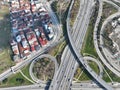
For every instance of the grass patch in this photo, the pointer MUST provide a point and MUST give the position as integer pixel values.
(5, 60)
(94, 66)
(111, 74)
(61, 8)
(85, 76)
(5, 32)
(57, 49)
(5, 27)
(17, 79)
(25, 71)
(74, 12)
(108, 10)
(88, 46)
(3, 11)
(116, 3)
(54, 6)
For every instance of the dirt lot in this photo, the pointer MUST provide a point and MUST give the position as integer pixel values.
(44, 69)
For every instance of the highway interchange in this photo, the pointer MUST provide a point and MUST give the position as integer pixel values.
(71, 56)
(69, 64)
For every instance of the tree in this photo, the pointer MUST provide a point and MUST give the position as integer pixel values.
(20, 80)
(5, 80)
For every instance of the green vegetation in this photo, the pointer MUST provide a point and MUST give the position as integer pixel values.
(106, 78)
(64, 27)
(108, 43)
(60, 51)
(25, 71)
(5, 60)
(44, 69)
(59, 8)
(116, 3)
(57, 51)
(5, 28)
(112, 75)
(54, 6)
(3, 12)
(82, 75)
(74, 12)
(88, 46)
(108, 29)
(89, 49)
(108, 10)
(94, 66)
(55, 9)
(17, 79)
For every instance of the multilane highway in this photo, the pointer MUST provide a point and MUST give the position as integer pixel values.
(69, 64)
(75, 86)
(78, 35)
(80, 58)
